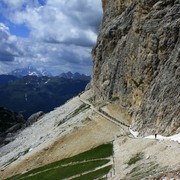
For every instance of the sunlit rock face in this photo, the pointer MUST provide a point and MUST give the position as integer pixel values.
(137, 59)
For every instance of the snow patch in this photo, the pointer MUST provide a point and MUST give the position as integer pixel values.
(134, 133)
(175, 137)
(47, 81)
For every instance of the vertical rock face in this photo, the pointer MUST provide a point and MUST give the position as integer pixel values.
(104, 5)
(137, 58)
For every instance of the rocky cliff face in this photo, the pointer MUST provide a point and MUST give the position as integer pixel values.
(137, 60)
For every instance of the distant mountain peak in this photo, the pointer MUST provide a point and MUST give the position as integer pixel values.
(29, 71)
(76, 75)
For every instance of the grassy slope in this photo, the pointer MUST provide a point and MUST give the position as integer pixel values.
(87, 161)
(95, 174)
(68, 171)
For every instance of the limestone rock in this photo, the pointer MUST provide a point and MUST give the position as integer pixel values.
(34, 117)
(137, 58)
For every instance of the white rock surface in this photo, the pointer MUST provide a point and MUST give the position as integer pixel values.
(175, 137)
(42, 132)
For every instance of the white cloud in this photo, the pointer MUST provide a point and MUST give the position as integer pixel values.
(8, 48)
(4, 29)
(62, 21)
(20, 4)
(14, 4)
(55, 57)
(62, 33)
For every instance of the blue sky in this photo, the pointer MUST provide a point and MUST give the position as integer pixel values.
(56, 35)
(19, 30)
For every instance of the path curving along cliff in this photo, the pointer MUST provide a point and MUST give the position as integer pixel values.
(137, 60)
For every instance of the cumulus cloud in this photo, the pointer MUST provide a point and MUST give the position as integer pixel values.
(19, 4)
(8, 48)
(62, 33)
(65, 21)
(59, 57)
(14, 4)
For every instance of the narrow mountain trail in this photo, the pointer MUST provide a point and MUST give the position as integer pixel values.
(126, 127)
(122, 125)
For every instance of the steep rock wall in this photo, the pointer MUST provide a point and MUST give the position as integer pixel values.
(137, 59)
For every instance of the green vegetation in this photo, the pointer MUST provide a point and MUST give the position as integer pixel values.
(95, 174)
(76, 165)
(81, 108)
(67, 171)
(135, 159)
(103, 151)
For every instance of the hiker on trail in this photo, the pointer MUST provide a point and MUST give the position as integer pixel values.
(155, 136)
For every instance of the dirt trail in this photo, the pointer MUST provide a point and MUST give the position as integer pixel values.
(106, 116)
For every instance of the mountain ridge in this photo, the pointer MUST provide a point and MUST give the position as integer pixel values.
(76, 75)
(32, 71)
(29, 71)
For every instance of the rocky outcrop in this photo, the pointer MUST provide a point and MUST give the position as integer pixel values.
(34, 117)
(137, 59)
(9, 119)
(10, 124)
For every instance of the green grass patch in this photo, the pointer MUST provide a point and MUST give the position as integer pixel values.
(80, 109)
(60, 172)
(95, 174)
(135, 159)
(100, 152)
(14, 177)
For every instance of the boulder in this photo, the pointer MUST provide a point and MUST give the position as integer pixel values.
(34, 117)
